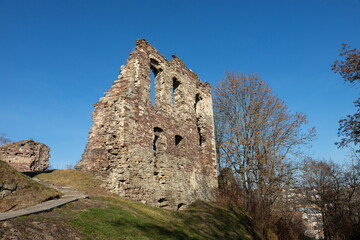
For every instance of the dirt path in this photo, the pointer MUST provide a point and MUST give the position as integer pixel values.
(69, 195)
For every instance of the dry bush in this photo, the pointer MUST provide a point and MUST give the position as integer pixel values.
(4, 140)
(271, 223)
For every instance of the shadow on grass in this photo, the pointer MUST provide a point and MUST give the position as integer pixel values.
(153, 231)
(201, 221)
(214, 222)
(34, 174)
(114, 222)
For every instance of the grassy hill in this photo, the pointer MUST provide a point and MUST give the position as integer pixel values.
(28, 192)
(105, 216)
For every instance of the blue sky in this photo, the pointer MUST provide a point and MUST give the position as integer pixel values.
(57, 58)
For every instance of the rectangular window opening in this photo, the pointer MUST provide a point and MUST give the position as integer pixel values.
(175, 90)
(153, 74)
(157, 133)
(197, 100)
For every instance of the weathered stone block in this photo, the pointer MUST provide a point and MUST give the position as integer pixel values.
(26, 155)
(159, 150)
(9, 186)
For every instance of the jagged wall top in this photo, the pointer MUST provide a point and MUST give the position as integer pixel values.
(160, 152)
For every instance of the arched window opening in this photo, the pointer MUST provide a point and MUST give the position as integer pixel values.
(197, 100)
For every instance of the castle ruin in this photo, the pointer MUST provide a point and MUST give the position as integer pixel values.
(26, 155)
(158, 150)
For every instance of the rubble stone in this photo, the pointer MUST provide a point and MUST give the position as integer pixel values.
(5, 193)
(26, 155)
(10, 186)
(158, 151)
(7, 188)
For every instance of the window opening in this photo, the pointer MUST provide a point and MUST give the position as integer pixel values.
(154, 143)
(175, 89)
(153, 74)
(154, 62)
(157, 132)
(197, 99)
(178, 139)
(162, 200)
(180, 205)
(199, 119)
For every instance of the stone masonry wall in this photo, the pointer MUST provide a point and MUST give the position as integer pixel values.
(160, 153)
(26, 155)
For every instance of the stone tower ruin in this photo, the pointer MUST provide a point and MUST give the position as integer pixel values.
(160, 151)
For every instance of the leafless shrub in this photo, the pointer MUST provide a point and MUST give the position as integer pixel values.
(4, 140)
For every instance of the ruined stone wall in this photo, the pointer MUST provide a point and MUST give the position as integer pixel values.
(161, 153)
(26, 155)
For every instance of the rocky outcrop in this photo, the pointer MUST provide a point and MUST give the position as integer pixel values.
(26, 155)
(155, 149)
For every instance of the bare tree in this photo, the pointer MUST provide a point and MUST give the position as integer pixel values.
(255, 133)
(335, 191)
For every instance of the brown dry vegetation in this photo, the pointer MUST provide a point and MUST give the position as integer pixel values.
(29, 194)
(79, 180)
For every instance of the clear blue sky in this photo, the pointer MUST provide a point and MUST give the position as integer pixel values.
(57, 58)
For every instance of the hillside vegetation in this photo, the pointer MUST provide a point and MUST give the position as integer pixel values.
(105, 216)
(28, 191)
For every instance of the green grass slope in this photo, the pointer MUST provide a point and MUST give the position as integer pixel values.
(30, 192)
(105, 216)
(124, 219)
